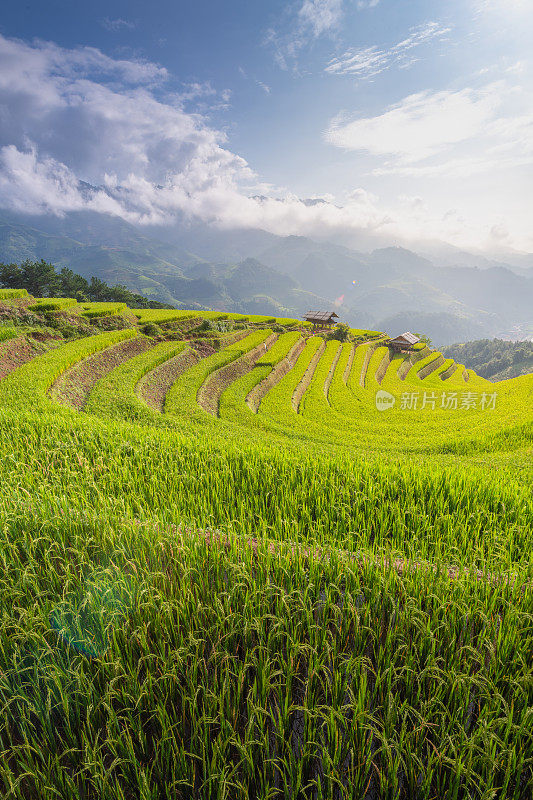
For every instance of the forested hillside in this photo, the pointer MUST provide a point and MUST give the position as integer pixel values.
(253, 272)
(40, 279)
(494, 359)
(226, 537)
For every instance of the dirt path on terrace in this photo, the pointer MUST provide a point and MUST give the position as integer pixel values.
(307, 378)
(431, 367)
(349, 363)
(73, 387)
(383, 367)
(448, 372)
(329, 378)
(153, 388)
(366, 361)
(16, 352)
(209, 394)
(253, 399)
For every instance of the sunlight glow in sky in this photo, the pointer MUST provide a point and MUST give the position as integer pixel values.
(412, 121)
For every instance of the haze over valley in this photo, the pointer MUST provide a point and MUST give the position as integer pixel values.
(364, 155)
(266, 400)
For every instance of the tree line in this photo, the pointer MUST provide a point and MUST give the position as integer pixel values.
(492, 357)
(41, 279)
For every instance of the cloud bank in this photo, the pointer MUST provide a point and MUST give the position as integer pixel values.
(82, 131)
(451, 133)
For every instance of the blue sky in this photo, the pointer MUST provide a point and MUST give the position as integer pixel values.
(412, 120)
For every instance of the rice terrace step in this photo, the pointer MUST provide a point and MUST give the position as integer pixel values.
(266, 400)
(208, 509)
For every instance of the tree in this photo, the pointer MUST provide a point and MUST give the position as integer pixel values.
(73, 285)
(98, 290)
(11, 276)
(341, 333)
(424, 339)
(38, 277)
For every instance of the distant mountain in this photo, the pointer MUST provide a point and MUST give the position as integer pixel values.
(137, 263)
(250, 278)
(446, 255)
(442, 328)
(252, 270)
(179, 278)
(395, 287)
(494, 359)
(99, 230)
(210, 244)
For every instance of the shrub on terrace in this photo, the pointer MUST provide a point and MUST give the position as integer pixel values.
(341, 333)
(151, 329)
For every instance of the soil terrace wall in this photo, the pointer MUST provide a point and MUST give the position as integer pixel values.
(253, 400)
(307, 378)
(208, 396)
(431, 367)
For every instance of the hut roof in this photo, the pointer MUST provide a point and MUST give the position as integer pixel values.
(407, 337)
(320, 316)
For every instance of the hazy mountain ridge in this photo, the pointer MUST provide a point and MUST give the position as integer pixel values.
(254, 271)
(494, 359)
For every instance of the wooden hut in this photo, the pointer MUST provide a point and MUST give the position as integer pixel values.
(321, 319)
(405, 341)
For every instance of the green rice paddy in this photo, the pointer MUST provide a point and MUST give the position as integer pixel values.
(300, 593)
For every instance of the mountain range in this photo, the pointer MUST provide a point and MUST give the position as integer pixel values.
(453, 296)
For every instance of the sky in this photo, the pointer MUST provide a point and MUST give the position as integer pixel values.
(411, 121)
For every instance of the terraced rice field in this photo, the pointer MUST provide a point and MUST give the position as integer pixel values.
(288, 568)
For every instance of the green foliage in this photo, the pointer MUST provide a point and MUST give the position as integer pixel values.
(7, 332)
(115, 394)
(220, 326)
(27, 387)
(181, 399)
(279, 349)
(96, 310)
(151, 329)
(340, 333)
(161, 317)
(424, 340)
(494, 359)
(11, 294)
(40, 279)
(138, 660)
(277, 405)
(55, 304)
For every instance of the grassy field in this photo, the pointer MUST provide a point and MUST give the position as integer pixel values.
(303, 594)
(52, 304)
(13, 294)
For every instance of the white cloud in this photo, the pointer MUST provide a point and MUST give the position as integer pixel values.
(46, 67)
(448, 134)
(118, 24)
(362, 4)
(74, 116)
(312, 19)
(367, 62)
(320, 15)
(70, 116)
(421, 124)
(478, 143)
